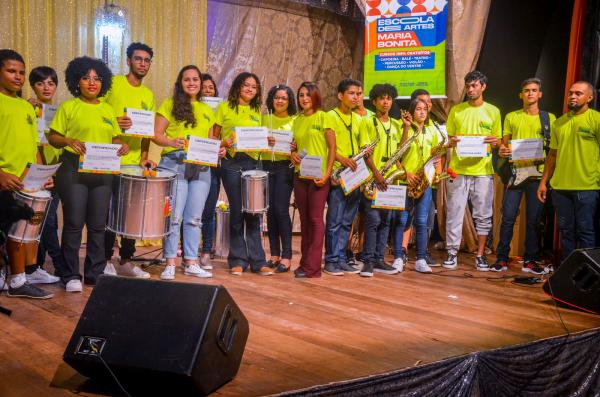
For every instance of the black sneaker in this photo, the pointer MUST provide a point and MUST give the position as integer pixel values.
(333, 269)
(385, 268)
(533, 267)
(367, 270)
(28, 291)
(431, 262)
(481, 263)
(348, 268)
(499, 266)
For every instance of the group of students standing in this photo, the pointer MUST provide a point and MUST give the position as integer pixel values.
(95, 114)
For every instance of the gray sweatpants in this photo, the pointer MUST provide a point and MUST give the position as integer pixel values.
(478, 189)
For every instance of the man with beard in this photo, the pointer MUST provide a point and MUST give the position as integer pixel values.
(129, 92)
(572, 169)
(475, 180)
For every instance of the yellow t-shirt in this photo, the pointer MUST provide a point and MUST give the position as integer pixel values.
(273, 122)
(390, 134)
(123, 95)
(309, 134)
(419, 150)
(229, 118)
(18, 135)
(85, 122)
(368, 115)
(520, 125)
(347, 133)
(577, 140)
(205, 119)
(465, 119)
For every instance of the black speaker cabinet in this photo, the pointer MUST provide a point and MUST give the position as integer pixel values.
(577, 281)
(158, 337)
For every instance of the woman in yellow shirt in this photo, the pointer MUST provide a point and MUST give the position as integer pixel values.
(85, 196)
(282, 110)
(182, 115)
(312, 139)
(241, 109)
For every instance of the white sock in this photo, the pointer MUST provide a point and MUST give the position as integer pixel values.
(17, 280)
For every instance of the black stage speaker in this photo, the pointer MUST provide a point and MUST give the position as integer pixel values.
(577, 281)
(159, 337)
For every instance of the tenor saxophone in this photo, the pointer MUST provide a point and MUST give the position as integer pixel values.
(335, 176)
(417, 191)
(370, 184)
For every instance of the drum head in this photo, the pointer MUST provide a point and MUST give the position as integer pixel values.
(136, 171)
(38, 194)
(254, 174)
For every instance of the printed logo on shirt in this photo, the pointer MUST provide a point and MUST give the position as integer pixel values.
(316, 127)
(108, 121)
(145, 106)
(585, 133)
(29, 119)
(254, 118)
(206, 117)
(485, 126)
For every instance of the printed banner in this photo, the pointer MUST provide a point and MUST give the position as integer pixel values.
(405, 45)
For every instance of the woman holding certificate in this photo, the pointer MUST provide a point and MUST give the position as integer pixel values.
(177, 118)
(313, 158)
(241, 109)
(87, 129)
(282, 109)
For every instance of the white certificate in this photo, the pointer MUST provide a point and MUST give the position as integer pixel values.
(212, 101)
(472, 146)
(310, 167)
(203, 151)
(394, 198)
(43, 122)
(251, 139)
(100, 158)
(142, 123)
(527, 149)
(283, 140)
(36, 176)
(429, 169)
(350, 180)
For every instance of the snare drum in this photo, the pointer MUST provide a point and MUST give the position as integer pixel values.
(255, 191)
(29, 231)
(140, 207)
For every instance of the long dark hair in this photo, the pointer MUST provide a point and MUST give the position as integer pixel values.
(236, 89)
(292, 110)
(413, 106)
(207, 76)
(182, 105)
(313, 92)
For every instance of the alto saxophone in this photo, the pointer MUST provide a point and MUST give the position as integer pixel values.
(335, 175)
(370, 184)
(417, 191)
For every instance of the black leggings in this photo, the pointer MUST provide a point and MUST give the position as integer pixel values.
(281, 178)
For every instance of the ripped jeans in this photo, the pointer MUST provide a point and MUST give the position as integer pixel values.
(189, 196)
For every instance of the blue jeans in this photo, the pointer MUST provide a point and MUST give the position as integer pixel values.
(510, 211)
(575, 211)
(189, 196)
(419, 210)
(377, 230)
(208, 215)
(341, 210)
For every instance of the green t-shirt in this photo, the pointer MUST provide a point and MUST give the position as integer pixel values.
(123, 95)
(18, 135)
(273, 122)
(229, 118)
(390, 134)
(205, 119)
(347, 132)
(577, 141)
(465, 119)
(520, 125)
(85, 122)
(419, 150)
(309, 134)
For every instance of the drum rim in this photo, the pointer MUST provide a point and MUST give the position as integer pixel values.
(141, 177)
(38, 194)
(255, 174)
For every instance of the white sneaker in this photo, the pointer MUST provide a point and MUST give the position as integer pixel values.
(128, 269)
(74, 286)
(3, 280)
(197, 271)
(110, 269)
(40, 276)
(398, 264)
(205, 263)
(168, 273)
(421, 266)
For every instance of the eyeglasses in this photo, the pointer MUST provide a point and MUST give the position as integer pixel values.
(137, 59)
(95, 79)
(280, 98)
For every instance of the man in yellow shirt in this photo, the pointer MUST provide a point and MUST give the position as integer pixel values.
(572, 169)
(129, 92)
(475, 174)
(525, 123)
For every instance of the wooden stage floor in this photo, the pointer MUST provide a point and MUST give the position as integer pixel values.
(315, 331)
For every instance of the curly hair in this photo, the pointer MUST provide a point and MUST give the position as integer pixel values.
(313, 92)
(236, 88)
(182, 105)
(139, 46)
(41, 73)
(206, 77)
(292, 109)
(381, 90)
(80, 67)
